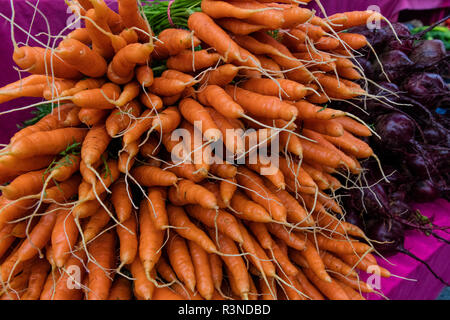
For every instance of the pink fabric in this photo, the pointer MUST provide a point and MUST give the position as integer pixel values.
(389, 8)
(428, 248)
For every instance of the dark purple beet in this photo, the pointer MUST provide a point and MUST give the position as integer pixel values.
(376, 200)
(427, 53)
(396, 65)
(417, 165)
(400, 209)
(401, 30)
(424, 191)
(395, 129)
(390, 232)
(432, 135)
(354, 218)
(397, 196)
(427, 88)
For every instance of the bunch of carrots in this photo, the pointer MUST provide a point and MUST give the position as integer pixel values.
(94, 206)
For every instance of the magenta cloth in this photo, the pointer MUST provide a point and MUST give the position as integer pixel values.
(389, 8)
(435, 252)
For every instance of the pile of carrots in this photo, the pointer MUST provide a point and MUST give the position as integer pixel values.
(94, 206)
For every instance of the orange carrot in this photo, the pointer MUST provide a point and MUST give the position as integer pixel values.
(222, 220)
(150, 241)
(64, 236)
(157, 207)
(120, 290)
(181, 261)
(185, 228)
(128, 239)
(203, 276)
(143, 288)
(188, 192)
(246, 209)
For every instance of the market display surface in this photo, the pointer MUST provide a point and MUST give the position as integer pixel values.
(222, 150)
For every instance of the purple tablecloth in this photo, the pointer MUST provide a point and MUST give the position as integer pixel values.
(428, 248)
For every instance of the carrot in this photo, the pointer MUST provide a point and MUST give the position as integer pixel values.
(6, 238)
(39, 236)
(363, 264)
(233, 262)
(38, 274)
(261, 166)
(351, 293)
(164, 293)
(91, 116)
(31, 86)
(152, 176)
(120, 200)
(96, 223)
(54, 89)
(220, 76)
(221, 101)
(354, 283)
(258, 192)
(185, 228)
(43, 61)
(224, 170)
(46, 142)
(173, 41)
(120, 119)
(203, 276)
(64, 236)
(10, 212)
(94, 144)
(351, 19)
(246, 209)
(287, 89)
(354, 127)
(185, 170)
(239, 27)
(102, 252)
(331, 290)
(151, 101)
(309, 289)
(215, 264)
(227, 188)
(321, 140)
(337, 265)
(62, 290)
(157, 209)
(101, 42)
(150, 241)
(181, 261)
(120, 290)
(271, 18)
(325, 127)
(121, 68)
(188, 192)
(295, 212)
(29, 183)
(132, 18)
(143, 287)
(262, 106)
(350, 144)
(128, 240)
(150, 148)
(144, 75)
(99, 98)
(315, 153)
(222, 220)
(82, 35)
(82, 58)
(208, 31)
(341, 246)
(287, 61)
(231, 137)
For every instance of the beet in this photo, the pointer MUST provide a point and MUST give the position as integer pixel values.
(428, 53)
(395, 129)
(389, 232)
(424, 191)
(396, 64)
(432, 135)
(417, 165)
(427, 88)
